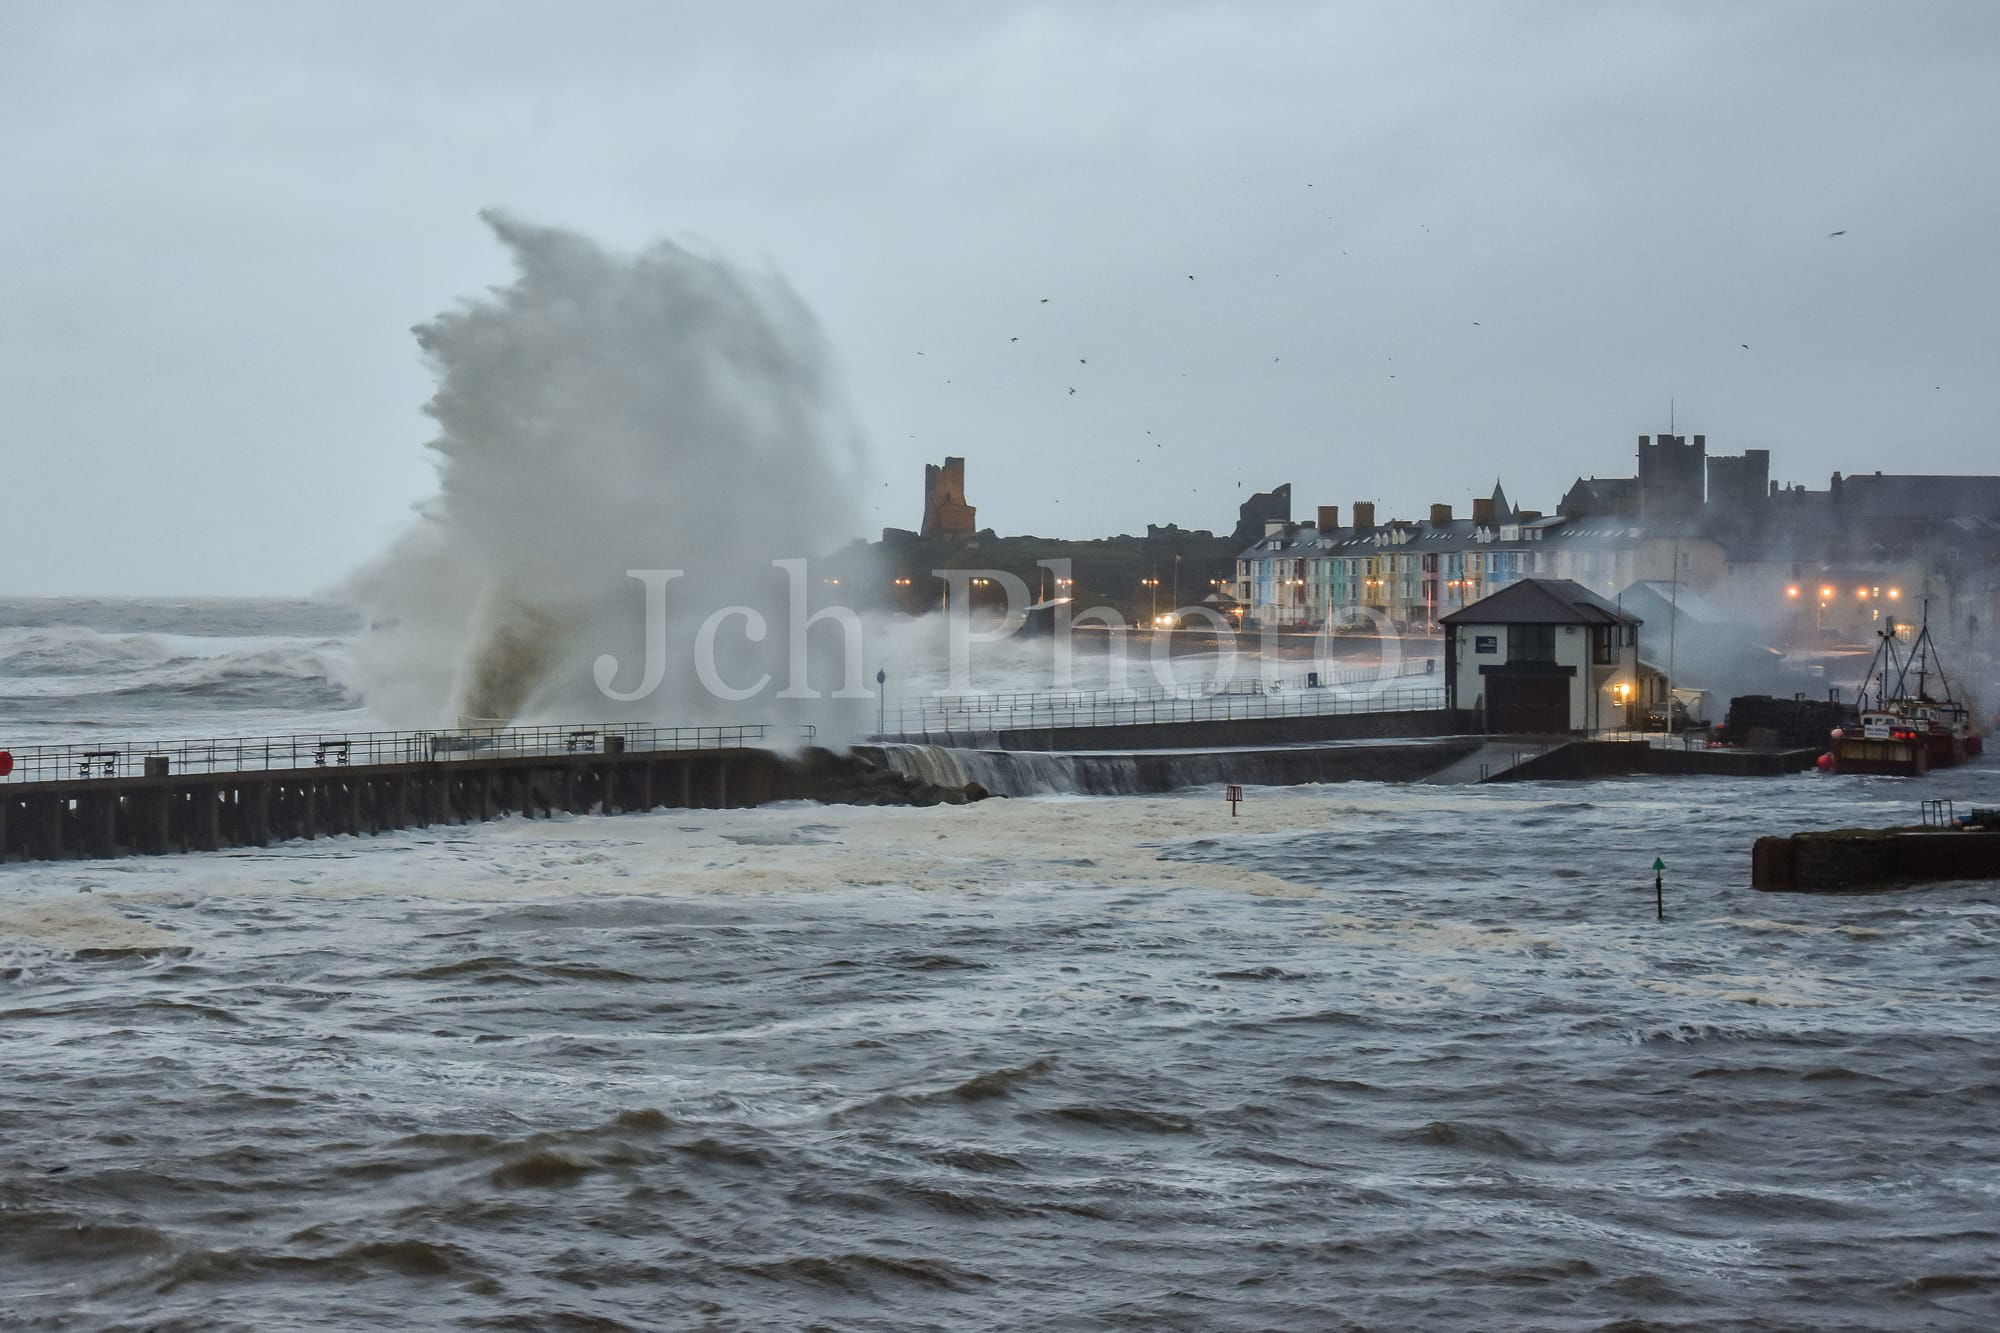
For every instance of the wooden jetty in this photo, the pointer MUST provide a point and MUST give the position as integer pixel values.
(69, 801)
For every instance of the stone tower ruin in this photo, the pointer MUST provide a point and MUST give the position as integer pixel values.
(946, 514)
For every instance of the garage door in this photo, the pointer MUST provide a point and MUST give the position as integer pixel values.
(1536, 704)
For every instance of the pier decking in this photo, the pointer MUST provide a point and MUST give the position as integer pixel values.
(75, 801)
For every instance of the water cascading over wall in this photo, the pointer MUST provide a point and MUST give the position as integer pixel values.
(1032, 773)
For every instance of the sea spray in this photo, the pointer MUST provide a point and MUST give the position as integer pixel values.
(600, 414)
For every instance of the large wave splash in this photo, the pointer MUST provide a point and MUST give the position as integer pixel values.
(604, 413)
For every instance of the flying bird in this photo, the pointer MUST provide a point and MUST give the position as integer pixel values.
(1842, 232)
(1045, 300)
(1013, 340)
(1072, 392)
(1083, 361)
(1746, 347)
(1190, 277)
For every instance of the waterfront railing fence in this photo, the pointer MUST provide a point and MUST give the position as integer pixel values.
(245, 754)
(959, 716)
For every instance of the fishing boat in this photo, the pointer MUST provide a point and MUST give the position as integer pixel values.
(1909, 721)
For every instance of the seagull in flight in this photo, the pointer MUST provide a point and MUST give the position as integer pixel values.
(1842, 232)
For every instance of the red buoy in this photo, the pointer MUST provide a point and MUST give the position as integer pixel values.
(6, 762)
(1826, 763)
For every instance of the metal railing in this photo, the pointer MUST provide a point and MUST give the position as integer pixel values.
(1239, 696)
(244, 754)
(1690, 738)
(987, 714)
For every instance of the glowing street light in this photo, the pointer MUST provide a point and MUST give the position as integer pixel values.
(1793, 592)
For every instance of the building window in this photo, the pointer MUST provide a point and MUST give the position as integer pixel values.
(1531, 643)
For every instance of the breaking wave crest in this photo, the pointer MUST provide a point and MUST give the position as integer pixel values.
(72, 666)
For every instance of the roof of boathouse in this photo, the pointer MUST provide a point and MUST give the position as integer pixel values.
(1541, 602)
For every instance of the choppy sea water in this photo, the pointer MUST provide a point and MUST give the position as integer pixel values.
(1362, 1057)
(1365, 1057)
(75, 669)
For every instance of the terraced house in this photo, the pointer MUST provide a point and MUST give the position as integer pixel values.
(1827, 559)
(1404, 574)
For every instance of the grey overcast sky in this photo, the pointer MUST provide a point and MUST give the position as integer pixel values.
(1384, 251)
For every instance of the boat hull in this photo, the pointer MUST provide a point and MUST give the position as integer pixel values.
(1892, 758)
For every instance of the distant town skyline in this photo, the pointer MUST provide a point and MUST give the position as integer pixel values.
(1134, 262)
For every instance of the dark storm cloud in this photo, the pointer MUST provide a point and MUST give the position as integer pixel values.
(1430, 244)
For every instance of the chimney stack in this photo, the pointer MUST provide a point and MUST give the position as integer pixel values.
(1364, 516)
(1482, 512)
(1329, 518)
(1440, 515)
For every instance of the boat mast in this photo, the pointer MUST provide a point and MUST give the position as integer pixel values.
(1920, 653)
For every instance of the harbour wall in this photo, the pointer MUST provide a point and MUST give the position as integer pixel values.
(1858, 860)
(1603, 759)
(1139, 772)
(161, 812)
